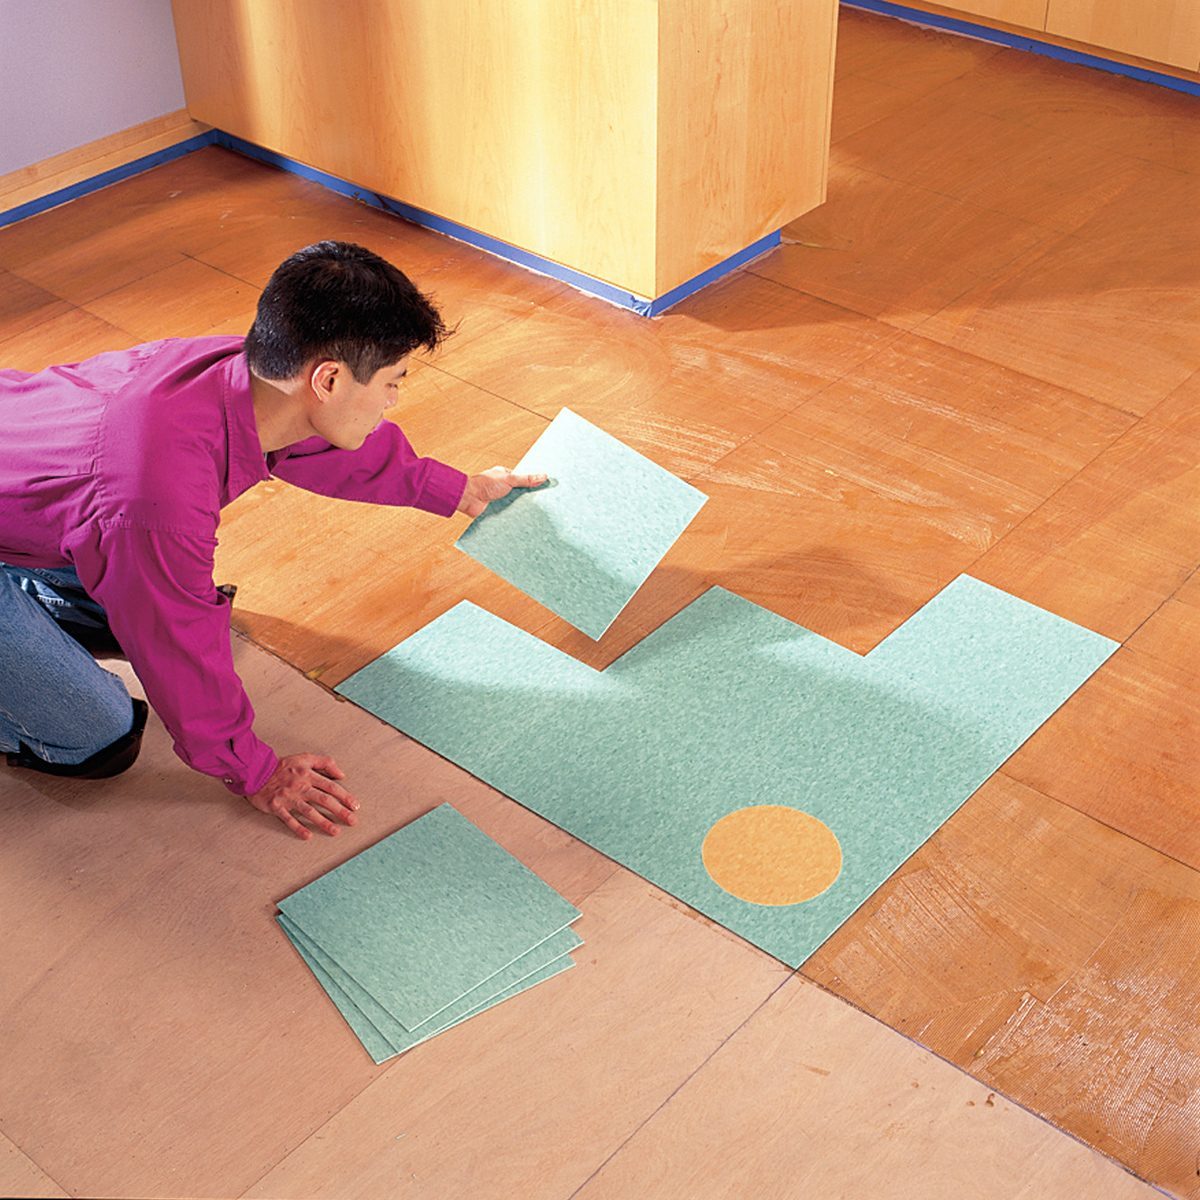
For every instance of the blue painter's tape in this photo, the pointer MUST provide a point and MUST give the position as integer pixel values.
(714, 273)
(124, 171)
(428, 220)
(1021, 42)
(642, 305)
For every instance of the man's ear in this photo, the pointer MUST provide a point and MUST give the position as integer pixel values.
(323, 377)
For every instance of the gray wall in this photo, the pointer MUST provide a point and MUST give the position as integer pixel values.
(77, 70)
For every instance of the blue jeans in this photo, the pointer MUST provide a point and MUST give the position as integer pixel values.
(54, 696)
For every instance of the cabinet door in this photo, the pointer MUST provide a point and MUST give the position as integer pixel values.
(1028, 14)
(1166, 31)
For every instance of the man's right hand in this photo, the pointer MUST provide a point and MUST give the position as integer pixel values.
(301, 786)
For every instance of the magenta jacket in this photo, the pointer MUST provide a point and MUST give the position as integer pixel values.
(120, 465)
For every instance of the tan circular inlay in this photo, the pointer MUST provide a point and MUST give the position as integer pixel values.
(772, 854)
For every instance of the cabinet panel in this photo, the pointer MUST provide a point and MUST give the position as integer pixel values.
(1166, 31)
(1028, 14)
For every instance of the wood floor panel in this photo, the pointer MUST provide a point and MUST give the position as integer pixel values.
(860, 102)
(918, 60)
(1125, 747)
(1110, 113)
(1053, 958)
(975, 446)
(21, 1176)
(678, 391)
(1180, 411)
(1086, 313)
(1172, 634)
(24, 306)
(815, 1066)
(183, 300)
(112, 237)
(825, 551)
(720, 364)
(893, 251)
(1117, 540)
(71, 337)
(1000, 165)
(1189, 593)
(177, 1046)
(543, 1088)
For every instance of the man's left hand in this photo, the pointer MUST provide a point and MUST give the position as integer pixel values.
(495, 484)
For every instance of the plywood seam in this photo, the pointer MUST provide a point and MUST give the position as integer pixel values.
(57, 1182)
(787, 978)
(469, 383)
(1008, 774)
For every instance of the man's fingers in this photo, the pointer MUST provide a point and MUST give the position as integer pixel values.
(339, 793)
(326, 765)
(527, 481)
(337, 811)
(286, 817)
(323, 823)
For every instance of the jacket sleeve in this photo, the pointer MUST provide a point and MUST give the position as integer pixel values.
(383, 470)
(157, 589)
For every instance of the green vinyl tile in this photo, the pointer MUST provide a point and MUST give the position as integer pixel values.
(459, 910)
(585, 542)
(382, 1046)
(728, 706)
(565, 941)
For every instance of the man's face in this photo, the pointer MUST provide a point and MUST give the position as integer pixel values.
(345, 411)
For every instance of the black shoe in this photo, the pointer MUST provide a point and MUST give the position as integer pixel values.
(116, 757)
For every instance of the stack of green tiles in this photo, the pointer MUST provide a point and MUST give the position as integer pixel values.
(426, 928)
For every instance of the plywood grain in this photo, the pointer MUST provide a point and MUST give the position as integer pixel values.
(21, 1176)
(894, 251)
(1086, 313)
(1110, 113)
(1124, 749)
(1051, 957)
(815, 1067)
(162, 1037)
(1115, 541)
(1020, 170)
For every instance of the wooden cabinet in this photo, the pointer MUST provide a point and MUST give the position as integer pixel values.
(1166, 31)
(1029, 14)
(638, 141)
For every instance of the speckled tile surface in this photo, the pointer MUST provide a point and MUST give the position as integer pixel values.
(426, 915)
(383, 1036)
(585, 542)
(728, 706)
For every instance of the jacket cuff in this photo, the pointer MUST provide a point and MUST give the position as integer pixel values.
(256, 774)
(444, 487)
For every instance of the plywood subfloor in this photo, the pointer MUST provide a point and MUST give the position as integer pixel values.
(965, 361)
(163, 1039)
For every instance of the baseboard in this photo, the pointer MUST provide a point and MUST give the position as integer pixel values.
(41, 179)
(1035, 41)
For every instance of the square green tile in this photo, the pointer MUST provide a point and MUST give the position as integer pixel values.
(354, 1004)
(459, 909)
(583, 544)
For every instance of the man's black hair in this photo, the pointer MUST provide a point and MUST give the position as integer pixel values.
(339, 301)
